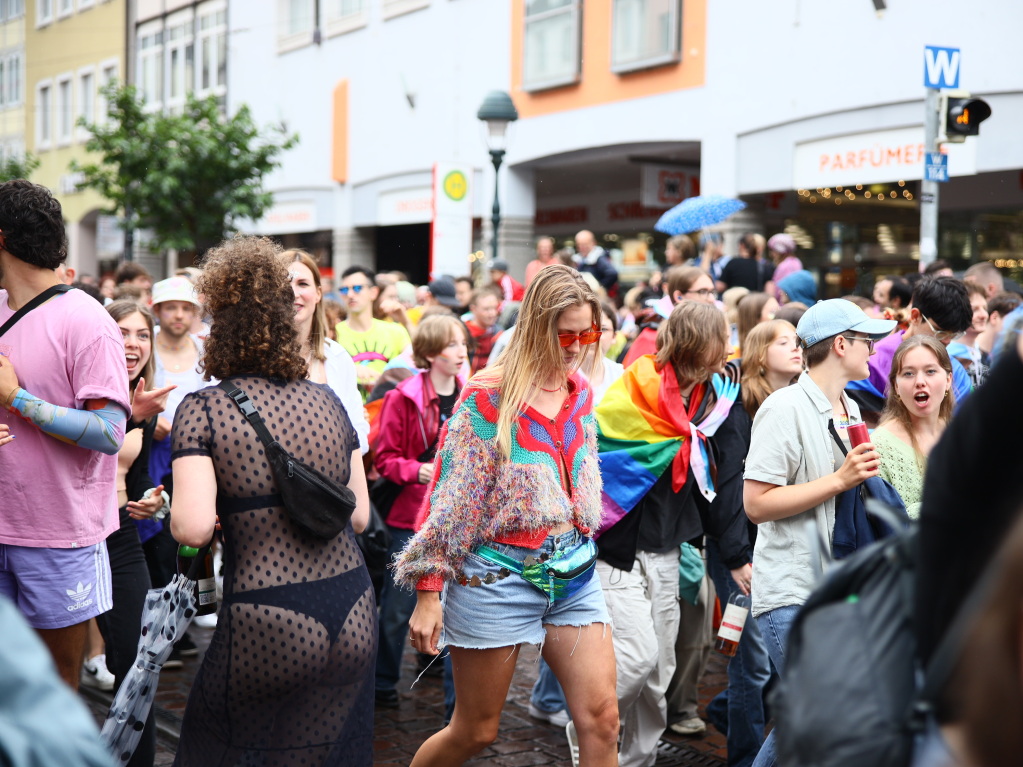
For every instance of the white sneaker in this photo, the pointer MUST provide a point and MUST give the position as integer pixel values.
(206, 621)
(95, 673)
(692, 726)
(573, 743)
(558, 718)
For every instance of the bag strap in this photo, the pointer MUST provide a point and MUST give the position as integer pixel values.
(46, 295)
(241, 399)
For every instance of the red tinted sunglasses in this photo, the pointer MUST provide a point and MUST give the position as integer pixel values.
(585, 338)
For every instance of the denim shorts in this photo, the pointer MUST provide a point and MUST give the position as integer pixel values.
(56, 588)
(510, 610)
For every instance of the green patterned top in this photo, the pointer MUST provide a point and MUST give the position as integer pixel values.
(902, 466)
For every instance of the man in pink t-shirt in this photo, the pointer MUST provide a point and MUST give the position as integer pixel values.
(64, 399)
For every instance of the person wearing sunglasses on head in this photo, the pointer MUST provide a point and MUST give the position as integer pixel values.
(681, 283)
(940, 308)
(371, 342)
(504, 552)
(667, 432)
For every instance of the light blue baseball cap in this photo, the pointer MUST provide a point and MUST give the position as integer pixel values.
(836, 315)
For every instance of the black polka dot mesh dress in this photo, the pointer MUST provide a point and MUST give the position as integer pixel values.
(288, 676)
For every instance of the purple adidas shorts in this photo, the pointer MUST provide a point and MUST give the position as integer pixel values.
(56, 588)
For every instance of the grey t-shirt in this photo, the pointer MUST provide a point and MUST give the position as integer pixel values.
(791, 445)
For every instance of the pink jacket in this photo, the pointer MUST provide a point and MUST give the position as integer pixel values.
(409, 424)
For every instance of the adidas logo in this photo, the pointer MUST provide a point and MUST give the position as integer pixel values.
(79, 596)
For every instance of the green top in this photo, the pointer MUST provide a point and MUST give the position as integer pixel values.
(902, 467)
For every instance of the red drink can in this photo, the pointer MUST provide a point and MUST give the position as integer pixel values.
(858, 434)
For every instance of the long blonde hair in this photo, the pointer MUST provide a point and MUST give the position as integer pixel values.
(318, 332)
(755, 387)
(895, 408)
(534, 355)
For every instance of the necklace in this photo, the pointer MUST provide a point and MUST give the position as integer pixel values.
(551, 391)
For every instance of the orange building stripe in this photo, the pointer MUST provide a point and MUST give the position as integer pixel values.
(339, 160)
(598, 84)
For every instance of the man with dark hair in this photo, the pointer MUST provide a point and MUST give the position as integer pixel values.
(998, 308)
(892, 293)
(746, 271)
(795, 468)
(371, 342)
(135, 275)
(64, 396)
(938, 268)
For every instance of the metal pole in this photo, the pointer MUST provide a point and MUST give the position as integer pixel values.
(495, 219)
(129, 236)
(929, 189)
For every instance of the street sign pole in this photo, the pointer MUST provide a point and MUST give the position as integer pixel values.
(929, 189)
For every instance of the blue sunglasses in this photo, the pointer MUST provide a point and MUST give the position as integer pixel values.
(355, 288)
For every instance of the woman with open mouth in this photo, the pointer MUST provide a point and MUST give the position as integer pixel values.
(918, 408)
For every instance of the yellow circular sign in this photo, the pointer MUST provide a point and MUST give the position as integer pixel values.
(456, 185)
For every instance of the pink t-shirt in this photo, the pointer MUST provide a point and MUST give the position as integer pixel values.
(54, 494)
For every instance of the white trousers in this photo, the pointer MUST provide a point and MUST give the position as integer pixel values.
(644, 612)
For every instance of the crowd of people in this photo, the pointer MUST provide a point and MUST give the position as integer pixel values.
(559, 462)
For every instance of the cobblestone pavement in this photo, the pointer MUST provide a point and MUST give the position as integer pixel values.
(399, 732)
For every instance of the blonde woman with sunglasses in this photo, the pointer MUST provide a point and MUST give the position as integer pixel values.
(504, 553)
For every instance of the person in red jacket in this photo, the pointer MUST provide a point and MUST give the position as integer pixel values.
(411, 419)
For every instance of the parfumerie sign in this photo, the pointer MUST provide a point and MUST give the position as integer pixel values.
(871, 158)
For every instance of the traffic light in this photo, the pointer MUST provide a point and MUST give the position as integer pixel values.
(959, 116)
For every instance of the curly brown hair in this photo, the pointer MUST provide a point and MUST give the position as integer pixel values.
(245, 288)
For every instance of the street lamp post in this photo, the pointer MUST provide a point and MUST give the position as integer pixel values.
(497, 111)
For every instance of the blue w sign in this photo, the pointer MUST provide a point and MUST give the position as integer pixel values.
(941, 67)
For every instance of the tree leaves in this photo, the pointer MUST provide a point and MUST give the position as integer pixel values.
(187, 177)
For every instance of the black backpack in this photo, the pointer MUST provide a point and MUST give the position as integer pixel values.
(852, 692)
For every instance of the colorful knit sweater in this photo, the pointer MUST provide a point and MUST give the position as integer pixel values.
(476, 496)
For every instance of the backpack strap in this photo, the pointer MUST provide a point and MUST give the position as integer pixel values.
(241, 399)
(46, 295)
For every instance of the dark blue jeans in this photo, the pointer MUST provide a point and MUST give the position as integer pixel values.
(396, 606)
(741, 704)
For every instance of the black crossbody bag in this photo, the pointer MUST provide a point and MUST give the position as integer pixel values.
(42, 298)
(315, 504)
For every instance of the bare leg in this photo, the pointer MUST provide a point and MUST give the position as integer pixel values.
(583, 660)
(94, 643)
(482, 679)
(67, 646)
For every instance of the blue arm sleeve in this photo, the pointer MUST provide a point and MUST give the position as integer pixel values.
(101, 429)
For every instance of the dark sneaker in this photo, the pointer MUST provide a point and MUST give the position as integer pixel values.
(387, 698)
(186, 646)
(174, 659)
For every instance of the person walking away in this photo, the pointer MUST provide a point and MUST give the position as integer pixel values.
(288, 676)
(594, 259)
(794, 469)
(64, 399)
(516, 488)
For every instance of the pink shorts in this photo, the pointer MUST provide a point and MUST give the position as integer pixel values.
(56, 588)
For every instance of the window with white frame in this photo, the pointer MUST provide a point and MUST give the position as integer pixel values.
(83, 4)
(150, 64)
(107, 75)
(15, 68)
(86, 104)
(44, 12)
(65, 8)
(212, 63)
(645, 33)
(296, 21)
(180, 47)
(44, 114)
(394, 8)
(3, 81)
(345, 15)
(5, 9)
(65, 107)
(551, 45)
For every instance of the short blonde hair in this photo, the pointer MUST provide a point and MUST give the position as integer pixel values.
(432, 335)
(694, 334)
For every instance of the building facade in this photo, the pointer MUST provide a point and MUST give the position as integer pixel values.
(72, 48)
(812, 113)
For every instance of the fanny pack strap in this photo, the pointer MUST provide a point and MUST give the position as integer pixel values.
(241, 399)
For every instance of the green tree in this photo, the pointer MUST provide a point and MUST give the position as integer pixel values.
(18, 167)
(186, 177)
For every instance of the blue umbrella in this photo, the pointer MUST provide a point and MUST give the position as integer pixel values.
(697, 213)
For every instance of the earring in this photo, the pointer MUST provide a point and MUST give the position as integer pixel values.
(763, 372)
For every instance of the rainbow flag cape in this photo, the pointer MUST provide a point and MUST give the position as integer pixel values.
(643, 429)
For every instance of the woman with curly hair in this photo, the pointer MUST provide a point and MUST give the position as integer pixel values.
(514, 495)
(288, 676)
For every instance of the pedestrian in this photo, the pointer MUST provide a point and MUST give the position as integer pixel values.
(918, 407)
(682, 283)
(790, 476)
(64, 399)
(753, 309)
(133, 275)
(327, 360)
(998, 308)
(594, 259)
(799, 286)
(516, 482)
(967, 351)
(745, 270)
(782, 248)
(772, 361)
(679, 251)
(545, 248)
(511, 289)
(137, 499)
(659, 425)
(483, 325)
(288, 675)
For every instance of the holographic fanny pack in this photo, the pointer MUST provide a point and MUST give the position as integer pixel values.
(559, 576)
